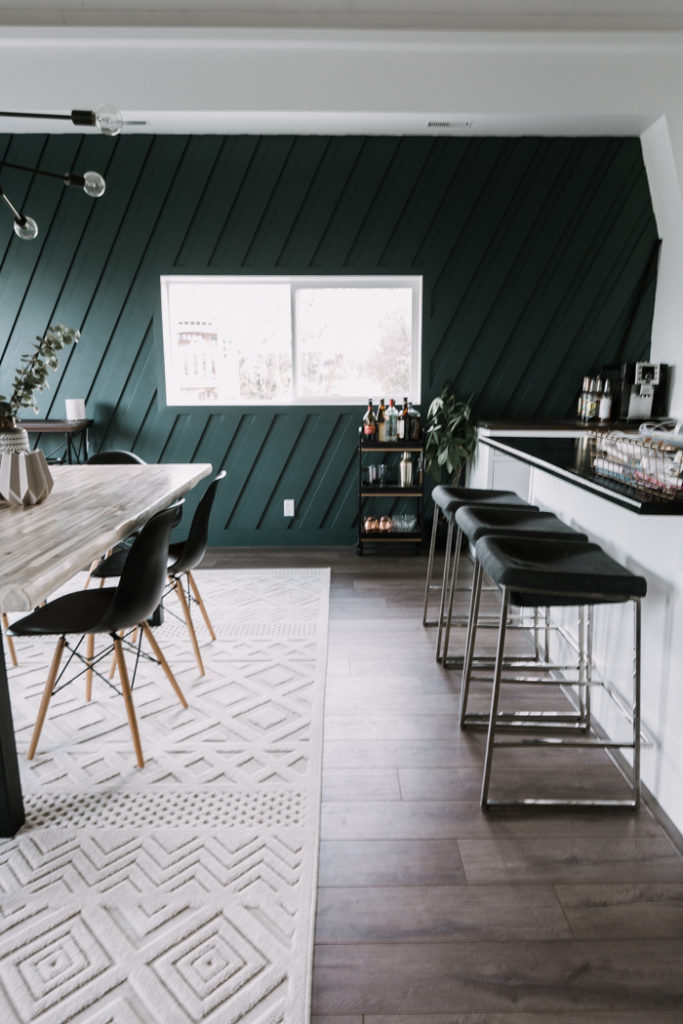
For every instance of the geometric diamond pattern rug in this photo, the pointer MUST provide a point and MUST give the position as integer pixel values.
(183, 891)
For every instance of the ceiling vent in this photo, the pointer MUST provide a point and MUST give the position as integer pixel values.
(450, 124)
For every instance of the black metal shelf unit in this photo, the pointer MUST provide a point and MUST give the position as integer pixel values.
(389, 454)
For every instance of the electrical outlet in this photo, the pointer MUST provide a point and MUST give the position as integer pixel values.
(289, 507)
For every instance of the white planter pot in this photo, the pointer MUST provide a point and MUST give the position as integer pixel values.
(25, 478)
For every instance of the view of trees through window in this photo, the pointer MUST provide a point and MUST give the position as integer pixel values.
(235, 341)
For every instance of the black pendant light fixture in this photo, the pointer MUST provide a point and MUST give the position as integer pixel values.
(109, 121)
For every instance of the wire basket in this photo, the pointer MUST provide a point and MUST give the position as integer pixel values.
(651, 468)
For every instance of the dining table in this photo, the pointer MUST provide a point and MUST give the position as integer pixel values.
(89, 509)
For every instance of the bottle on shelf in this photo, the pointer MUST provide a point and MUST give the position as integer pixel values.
(369, 425)
(404, 422)
(391, 430)
(406, 470)
(605, 411)
(596, 397)
(415, 427)
(583, 399)
(381, 422)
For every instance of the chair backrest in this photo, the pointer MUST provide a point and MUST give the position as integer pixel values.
(114, 456)
(142, 580)
(195, 546)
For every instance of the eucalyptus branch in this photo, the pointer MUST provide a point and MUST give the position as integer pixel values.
(32, 374)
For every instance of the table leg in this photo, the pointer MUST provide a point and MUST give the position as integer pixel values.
(11, 803)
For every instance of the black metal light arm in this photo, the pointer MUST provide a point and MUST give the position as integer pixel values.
(24, 227)
(92, 183)
(108, 119)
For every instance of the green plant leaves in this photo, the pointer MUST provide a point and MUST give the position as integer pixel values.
(32, 374)
(450, 434)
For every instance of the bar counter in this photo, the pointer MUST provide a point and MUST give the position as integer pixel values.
(569, 458)
(554, 473)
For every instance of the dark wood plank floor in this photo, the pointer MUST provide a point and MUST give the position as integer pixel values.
(433, 912)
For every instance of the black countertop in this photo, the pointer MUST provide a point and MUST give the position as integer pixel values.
(570, 459)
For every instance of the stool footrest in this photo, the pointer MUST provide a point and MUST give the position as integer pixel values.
(628, 804)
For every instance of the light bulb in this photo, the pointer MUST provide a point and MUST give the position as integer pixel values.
(26, 229)
(109, 120)
(93, 184)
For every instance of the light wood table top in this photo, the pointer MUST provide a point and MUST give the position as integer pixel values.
(89, 510)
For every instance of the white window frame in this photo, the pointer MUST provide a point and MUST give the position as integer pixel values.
(414, 282)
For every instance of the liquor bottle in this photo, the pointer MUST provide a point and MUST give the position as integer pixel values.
(596, 396)
(381, 422)
(391, 431)
(605, 413)
(404, 423)
(369, 425)
(414, 422)
(582, 409)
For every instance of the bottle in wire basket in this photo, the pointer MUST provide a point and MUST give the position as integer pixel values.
(369, 425)
(381, 422)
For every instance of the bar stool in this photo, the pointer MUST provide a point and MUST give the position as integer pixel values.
(475, 522)
(447, 500)
(532, 573)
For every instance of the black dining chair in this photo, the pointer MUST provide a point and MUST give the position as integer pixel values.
(114, 456)
(184, 556)
(116, 611)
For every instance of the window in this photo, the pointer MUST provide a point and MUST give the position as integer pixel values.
(300, 340)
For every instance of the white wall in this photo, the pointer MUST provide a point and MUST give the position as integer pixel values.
(326, 81)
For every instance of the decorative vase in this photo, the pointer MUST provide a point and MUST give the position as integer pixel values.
(12, 437)
(25, 478)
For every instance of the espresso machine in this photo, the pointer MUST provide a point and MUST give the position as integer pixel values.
(642, 391)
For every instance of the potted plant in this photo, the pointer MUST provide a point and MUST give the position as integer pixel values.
(450, 434)
(31, 377)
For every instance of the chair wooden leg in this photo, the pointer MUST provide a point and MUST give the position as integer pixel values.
(47, 694)
(128, 698)
(89, 655)
(202, 607)
(10, 641)
(162, 661)
(178, 588)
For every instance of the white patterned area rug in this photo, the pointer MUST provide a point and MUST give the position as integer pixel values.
(183, 891)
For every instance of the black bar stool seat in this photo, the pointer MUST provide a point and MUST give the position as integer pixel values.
(534, 572)
(540, 573)
(476, 522)
(447, 500)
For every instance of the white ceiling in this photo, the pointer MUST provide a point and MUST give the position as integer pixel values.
(501, 15)
(454, 67)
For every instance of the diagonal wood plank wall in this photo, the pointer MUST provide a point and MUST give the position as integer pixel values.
(532, 250)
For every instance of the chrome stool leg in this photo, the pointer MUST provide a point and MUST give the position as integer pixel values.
(430, 567)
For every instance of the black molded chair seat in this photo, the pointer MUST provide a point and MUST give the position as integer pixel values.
(89, 608)
(556, 572)
(113, 611)
(183, 557)
(477, 521)
(114, 456)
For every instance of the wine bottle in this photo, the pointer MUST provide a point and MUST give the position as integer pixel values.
(369, 425)
(404, 423)
(381, 422)
(414, 417)
(391, 430)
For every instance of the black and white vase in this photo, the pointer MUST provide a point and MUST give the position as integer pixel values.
(12, 437)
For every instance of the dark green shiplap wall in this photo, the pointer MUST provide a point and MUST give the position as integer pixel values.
(535, 253)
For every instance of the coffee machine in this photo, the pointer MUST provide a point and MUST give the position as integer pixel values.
(642, 391)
